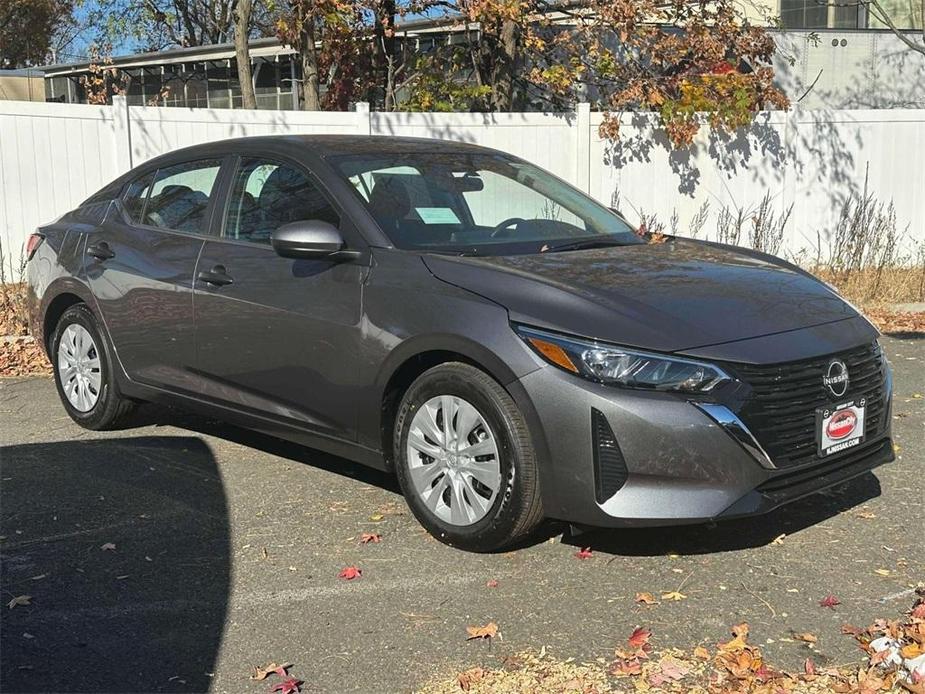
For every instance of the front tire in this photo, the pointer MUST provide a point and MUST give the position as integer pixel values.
(84, 371)
(465, 461)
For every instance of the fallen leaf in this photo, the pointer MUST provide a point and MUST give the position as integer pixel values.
(829, 601)
(701, 653)
(20, 600)
(669, 670)
(639, 638)
(370, 538)
(261, 673)
(779, 540)
(809, 667)
(108, 547)
(646, 598)
(673, 595)
(492, 584)
(349, 573)
(467, 678)
(583, 553)
(866, 515)
(376, 517)
(288, 686)
(807, 637)
(624, 668)
(489, 631)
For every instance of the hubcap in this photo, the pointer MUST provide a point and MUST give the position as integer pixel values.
(453, 460)
(79, 367)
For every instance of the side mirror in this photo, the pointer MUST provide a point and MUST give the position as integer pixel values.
(310, 238)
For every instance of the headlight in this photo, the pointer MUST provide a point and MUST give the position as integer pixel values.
(620, 366)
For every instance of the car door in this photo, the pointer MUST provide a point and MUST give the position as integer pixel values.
(139, 265)
(278, 336)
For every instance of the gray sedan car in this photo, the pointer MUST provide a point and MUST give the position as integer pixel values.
(510, 348)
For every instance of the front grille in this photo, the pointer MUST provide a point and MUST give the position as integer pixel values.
(781, 409)
(790, 484)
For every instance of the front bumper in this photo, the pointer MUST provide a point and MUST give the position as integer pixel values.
(680, 465)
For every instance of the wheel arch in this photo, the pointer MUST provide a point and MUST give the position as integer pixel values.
(58, 300)
(414, 357)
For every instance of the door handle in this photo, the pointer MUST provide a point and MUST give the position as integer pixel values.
(217, 276)
(101, 251)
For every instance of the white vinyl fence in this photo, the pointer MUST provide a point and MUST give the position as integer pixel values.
(53, 156)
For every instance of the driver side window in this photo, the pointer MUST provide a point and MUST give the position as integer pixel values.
(502, 198)
(266, 195)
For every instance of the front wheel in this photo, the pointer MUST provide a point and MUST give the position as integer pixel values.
(465, 461)
(84, 372)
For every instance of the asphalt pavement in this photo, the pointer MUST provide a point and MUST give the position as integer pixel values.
(173, 555)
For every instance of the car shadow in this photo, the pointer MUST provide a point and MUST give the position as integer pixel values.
(734, 534)
(123, 546)
(156, 415)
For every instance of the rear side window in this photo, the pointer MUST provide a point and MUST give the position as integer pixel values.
(180, 195)
(135, 196)
(266, 195)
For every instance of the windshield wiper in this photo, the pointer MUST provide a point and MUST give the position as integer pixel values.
(584, 244)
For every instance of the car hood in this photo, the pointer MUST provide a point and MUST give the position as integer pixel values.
(669, 297)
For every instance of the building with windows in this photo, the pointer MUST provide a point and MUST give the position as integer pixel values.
(831, 55)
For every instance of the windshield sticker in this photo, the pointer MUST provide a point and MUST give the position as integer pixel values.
(437, 215)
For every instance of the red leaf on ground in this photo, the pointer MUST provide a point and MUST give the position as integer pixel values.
(829, 601)
(583, 553)
(639, 638)
(349, 573)
(370, 538)
(492, 584)
(809, 667)
(288, 686)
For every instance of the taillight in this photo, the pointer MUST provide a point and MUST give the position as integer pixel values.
(32, 245)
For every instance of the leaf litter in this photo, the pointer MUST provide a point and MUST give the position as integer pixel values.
(894, 661)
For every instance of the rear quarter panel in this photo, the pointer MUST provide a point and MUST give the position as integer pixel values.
(57, 266)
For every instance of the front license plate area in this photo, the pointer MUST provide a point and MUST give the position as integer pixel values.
(840, 427)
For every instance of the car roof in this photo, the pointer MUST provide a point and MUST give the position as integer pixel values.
(328, 145)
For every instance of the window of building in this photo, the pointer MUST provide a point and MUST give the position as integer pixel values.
(820, 14)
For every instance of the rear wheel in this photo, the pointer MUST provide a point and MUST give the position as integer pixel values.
(83, 371)
(465, 461)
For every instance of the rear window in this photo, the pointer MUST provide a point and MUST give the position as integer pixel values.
(179, 197)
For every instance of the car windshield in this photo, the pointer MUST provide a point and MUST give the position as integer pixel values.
(478, 204)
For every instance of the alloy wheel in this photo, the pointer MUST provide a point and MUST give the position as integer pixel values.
(79, 367)
(453, 460)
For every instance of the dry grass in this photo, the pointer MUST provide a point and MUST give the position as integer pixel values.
(877, 287)
(20, 354)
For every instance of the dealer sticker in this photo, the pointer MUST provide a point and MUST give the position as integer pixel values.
(840, 427)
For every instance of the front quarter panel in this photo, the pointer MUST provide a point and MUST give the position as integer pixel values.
(408, 311)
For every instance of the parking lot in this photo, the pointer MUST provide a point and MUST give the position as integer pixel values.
(176, 554)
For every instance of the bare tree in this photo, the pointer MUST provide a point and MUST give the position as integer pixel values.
(916, 43)
(242, 23)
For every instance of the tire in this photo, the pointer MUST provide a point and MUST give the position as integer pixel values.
(98, 405)
(442, 480)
